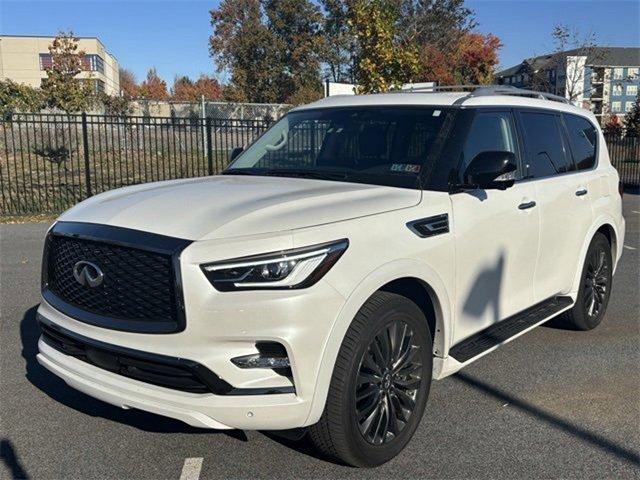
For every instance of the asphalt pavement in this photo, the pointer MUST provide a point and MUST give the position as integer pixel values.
(554, 403)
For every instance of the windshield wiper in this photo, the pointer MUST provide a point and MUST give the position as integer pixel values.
(287, 172)
(241, 171)
(304, 173)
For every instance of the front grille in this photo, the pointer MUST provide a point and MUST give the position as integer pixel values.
(139, 289)
(137, 285)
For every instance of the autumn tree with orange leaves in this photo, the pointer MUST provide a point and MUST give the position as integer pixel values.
(186, 90)
(153, 87)
(471, 61)
(128, 85)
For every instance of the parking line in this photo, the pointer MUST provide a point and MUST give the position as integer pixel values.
(629, 248)
(191, 469)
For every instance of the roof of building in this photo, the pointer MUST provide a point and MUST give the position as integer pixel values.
(48, 36)
(436, 99)
(597, 56)
(54, 36)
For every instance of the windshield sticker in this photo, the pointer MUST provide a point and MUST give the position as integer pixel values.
(436, 113)
(405, 168)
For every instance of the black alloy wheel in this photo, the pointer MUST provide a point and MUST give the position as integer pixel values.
(595, 286)
(387, 384)
(380, 383)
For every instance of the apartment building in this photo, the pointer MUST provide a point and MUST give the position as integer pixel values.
(24, 59)
(603, 79)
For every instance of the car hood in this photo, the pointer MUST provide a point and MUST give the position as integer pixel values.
(229, 205)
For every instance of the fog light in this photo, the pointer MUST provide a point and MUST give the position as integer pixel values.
(260, 361)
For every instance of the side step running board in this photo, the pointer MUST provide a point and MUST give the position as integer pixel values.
(504, 330)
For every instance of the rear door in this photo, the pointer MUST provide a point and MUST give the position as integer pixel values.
(496, 235)
(561, 197)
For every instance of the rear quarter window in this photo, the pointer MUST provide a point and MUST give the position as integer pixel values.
(583, 138)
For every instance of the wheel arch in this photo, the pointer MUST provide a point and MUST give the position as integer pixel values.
(608, 231)
(421, 293)
(419, 278)
(608, 227)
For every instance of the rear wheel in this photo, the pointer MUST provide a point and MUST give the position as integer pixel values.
(380, 384)
(595, 286)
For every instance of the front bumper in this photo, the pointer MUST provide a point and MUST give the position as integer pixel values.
(204, 411)
(300, 320)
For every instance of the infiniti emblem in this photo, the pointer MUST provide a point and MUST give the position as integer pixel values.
(87, 274)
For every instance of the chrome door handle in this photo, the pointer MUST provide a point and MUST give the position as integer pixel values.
(526, 205)
(581, 192)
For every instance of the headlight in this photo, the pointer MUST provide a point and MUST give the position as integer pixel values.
(298, 268)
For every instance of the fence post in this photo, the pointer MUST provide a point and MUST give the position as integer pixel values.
(85, 144)
(209, 145)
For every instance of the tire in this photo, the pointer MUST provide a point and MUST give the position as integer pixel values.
(595, 286)
(360, 387)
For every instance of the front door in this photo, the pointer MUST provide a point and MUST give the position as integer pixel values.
(496, 236)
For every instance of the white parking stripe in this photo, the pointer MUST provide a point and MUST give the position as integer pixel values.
(191, 469)
(635, 211)
(630, 248)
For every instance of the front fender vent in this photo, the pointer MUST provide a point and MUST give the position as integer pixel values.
(430, 226)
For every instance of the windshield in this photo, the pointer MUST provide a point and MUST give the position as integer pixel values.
(378, 145)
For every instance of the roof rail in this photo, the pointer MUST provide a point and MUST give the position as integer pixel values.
(485, 90)
(437, 88)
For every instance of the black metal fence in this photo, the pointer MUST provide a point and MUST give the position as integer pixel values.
(625, 156)
(49, 162)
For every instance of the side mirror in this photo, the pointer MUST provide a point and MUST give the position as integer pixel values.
(233, 154)
(486, 168)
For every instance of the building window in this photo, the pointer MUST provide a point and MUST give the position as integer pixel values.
(617, 73)
(96, 63)
(628, 106)
(91, 63)
(616, 106)
(98, 86)
(632, 73)
(45, 61)
(617, 90)
(632, 90)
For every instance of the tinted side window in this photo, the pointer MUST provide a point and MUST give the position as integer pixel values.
(490, 131)
(546, 155)
(582, 139)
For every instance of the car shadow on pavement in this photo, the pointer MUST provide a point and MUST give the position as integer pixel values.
(619, 451)
(59, 391)
(10, 459)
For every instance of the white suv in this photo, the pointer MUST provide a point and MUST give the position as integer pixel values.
(362, 247)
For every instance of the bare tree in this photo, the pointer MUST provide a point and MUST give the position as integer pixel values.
(572, 51)
(586, 52)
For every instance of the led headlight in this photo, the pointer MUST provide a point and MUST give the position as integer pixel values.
(297, 268)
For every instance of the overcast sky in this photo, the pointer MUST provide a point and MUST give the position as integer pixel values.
(172, 35)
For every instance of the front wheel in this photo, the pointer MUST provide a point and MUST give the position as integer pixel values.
(380, 383)
(595, 286)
